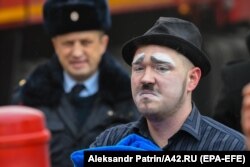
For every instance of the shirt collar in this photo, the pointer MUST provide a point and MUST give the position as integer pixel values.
(141, 127)
(192, 125)
(91, 84)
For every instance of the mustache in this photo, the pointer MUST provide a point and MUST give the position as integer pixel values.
(147, 86)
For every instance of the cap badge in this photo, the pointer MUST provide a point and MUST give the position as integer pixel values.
(74, 16)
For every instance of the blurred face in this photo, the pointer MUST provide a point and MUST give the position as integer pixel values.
(161, 80)
(80, 52)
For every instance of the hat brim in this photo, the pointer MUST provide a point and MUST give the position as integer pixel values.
(194, 54)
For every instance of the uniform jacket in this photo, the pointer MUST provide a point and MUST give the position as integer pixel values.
(113, 105)
(234, 76)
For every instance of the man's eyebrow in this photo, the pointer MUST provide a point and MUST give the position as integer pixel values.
(161, 58)
(138, 59)
(155, 60)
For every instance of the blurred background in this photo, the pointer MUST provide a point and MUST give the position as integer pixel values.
(224, 25)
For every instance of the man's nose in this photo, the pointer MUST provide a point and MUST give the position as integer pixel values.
(148, 76)
(77, 50)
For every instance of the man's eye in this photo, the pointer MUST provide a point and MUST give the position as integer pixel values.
(86, 42)
(162, 68)
(137, 68)
(68, 43)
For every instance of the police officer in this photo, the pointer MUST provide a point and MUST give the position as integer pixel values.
(81, 90)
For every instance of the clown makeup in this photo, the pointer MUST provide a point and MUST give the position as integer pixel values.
(138, 58)
(162, 58)
(161, 62)
(157, 57)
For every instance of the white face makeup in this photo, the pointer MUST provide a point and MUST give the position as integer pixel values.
(156, 57)
(163, 57)
(138, 56)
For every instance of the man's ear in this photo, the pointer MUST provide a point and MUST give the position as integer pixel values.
(54, 43)
(105, 41)
(194, 76)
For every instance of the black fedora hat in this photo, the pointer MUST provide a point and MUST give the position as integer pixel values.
(175, 33)
(64, 16)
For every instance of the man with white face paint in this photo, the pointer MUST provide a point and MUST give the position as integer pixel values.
(167, 65)
(157, 90)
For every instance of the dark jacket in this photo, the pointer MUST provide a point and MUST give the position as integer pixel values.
(113, 105)
(234, 76)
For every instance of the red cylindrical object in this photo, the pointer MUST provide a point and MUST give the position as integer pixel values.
(24, 139)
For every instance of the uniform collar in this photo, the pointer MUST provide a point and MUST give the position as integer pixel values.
(91, 84)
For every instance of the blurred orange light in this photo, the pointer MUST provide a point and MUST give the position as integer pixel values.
(184, 9)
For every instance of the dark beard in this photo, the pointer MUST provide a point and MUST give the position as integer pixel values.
(181, 100)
